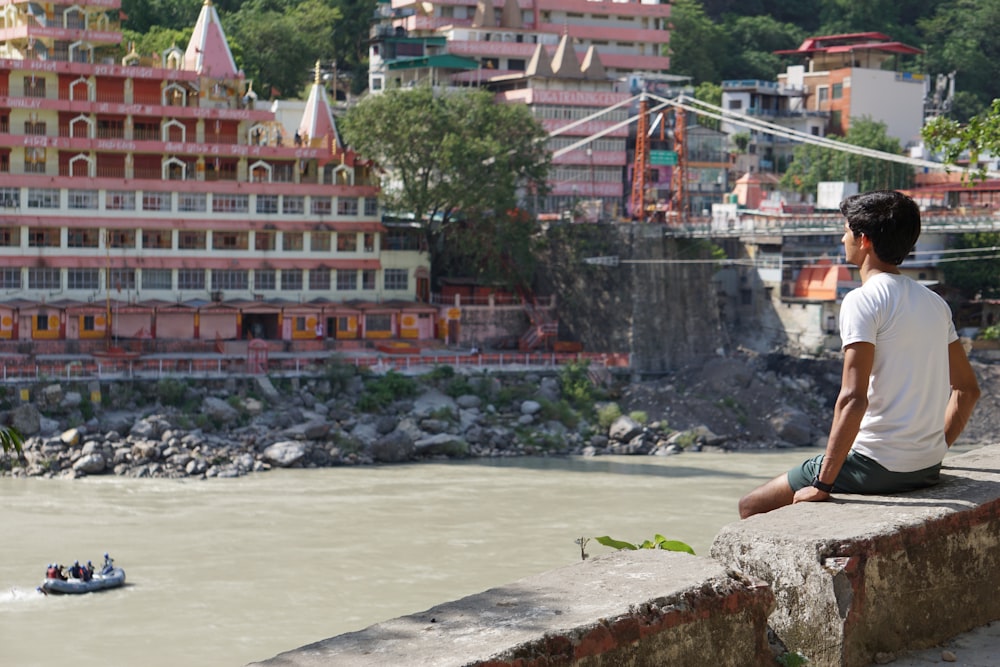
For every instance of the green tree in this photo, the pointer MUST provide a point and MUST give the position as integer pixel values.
(959, 37)
(754, 39)
(712, 94)
(698, 47)
(459, 163)
(978, 137)
(812, 164)
(975, 276)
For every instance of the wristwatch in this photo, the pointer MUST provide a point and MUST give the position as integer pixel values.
(822, 486)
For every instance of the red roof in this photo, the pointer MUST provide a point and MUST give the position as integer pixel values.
(848, 42)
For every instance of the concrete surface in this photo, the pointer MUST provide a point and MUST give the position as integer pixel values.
(863, 576)
(978, 648)
(646, 607)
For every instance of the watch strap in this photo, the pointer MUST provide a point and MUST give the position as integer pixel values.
(822, 486)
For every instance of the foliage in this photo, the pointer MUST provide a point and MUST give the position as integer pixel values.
(338, 373)
(171, 391)
(560, 411)
(709, 92)
(639, 416)
(11, 440)
(574, 380)
(458, 161)
(607, 414)
(658, 542)
(696, 43)
(975, 275)
(991, 332)
(794, 659)
(812, 164)
(442, 372)
(382, 391)
(980, 136)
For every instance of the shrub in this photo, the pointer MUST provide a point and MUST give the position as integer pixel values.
(576, 385)
(639, 416)
(381, 391)
(560, 411)
(991, 332)
(442, 372)
(171, 391)
(607, 414)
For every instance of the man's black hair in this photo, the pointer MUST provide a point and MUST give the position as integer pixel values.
(890, 219)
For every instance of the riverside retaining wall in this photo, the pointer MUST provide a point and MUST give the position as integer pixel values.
(839, 582)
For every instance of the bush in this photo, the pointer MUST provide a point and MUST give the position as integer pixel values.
(991, 332)
(607, 414)
(382, 391)
(639, 416)
(171, 391)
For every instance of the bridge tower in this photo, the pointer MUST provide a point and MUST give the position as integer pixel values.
(678, 179)
(640, 164)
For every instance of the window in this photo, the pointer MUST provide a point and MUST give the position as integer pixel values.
(157, 279)
(264, 240)
(267, 203)
(43, 198)
(155, 201)
(235, 279)
(88, 279)
(398, 239)
(735, 105)
(378, 322)
(265, 279)
(44, 278)
(230, 203)
(190, 279)
(230, 240)
(347, 242)
(157, 238)
(396, 279)
(347, 280)
(42, 322)
(43, 237)
(119, 201)
(121, 238)
(291, 279)
(320, 241)
(34, 161)
(82, 199)
(369, 245)
(34, 86)
(368, 279)
(10, 197)
(10, 237)
(292, 241)
(34, 128)
(516, 64)
(10, 278)
(192, 202)
(347, 206)
(189, 240)
(319, 279)
(321, 206)
(837, 91)
(122, 279)
(293, 205)
(371, 206)
(83, 238)
(88, 323)
(822, 93)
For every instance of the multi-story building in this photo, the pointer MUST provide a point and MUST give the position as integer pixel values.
(860, 75)
(569, 60)
(154, 198)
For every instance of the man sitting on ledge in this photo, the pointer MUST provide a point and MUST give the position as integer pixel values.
(895, 417)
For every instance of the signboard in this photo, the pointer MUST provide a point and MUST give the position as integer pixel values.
(663, 158)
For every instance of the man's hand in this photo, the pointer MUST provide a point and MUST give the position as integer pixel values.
(810, 494)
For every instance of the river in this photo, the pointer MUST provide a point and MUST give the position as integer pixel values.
(223, 572)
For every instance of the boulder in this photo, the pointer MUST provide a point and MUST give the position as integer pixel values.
(285, 454)
(90, 464)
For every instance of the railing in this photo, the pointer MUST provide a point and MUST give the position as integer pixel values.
(222, 365)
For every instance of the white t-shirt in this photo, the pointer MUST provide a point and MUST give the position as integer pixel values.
(908, 391)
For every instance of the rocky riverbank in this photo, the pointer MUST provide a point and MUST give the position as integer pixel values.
(175, 428)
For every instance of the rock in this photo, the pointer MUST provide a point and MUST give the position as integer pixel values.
(948, 656)
(530, 407)
(468, 401)
(219, 410)
(549, 389)
(91, 464)
(432, 401)
(267, 389)
(71, 400)
(395, 447)
(793, 426)
(26, 419)
(624, 428)
(285, 454)
(71, 437)
(441, 444)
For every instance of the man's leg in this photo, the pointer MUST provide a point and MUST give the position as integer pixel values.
(770, 496)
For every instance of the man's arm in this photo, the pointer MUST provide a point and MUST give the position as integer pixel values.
(964, 393)
(847, 414)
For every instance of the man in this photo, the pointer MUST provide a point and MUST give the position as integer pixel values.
(895, 416)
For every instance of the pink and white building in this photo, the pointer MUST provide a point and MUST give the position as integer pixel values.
(153, 197)
(568, 60)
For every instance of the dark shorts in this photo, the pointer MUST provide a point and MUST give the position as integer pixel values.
(860, 474)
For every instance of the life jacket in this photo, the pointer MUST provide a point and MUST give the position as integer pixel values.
(52, 573)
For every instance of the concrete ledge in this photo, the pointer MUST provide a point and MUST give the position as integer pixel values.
(863, 575)
(637, 608)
